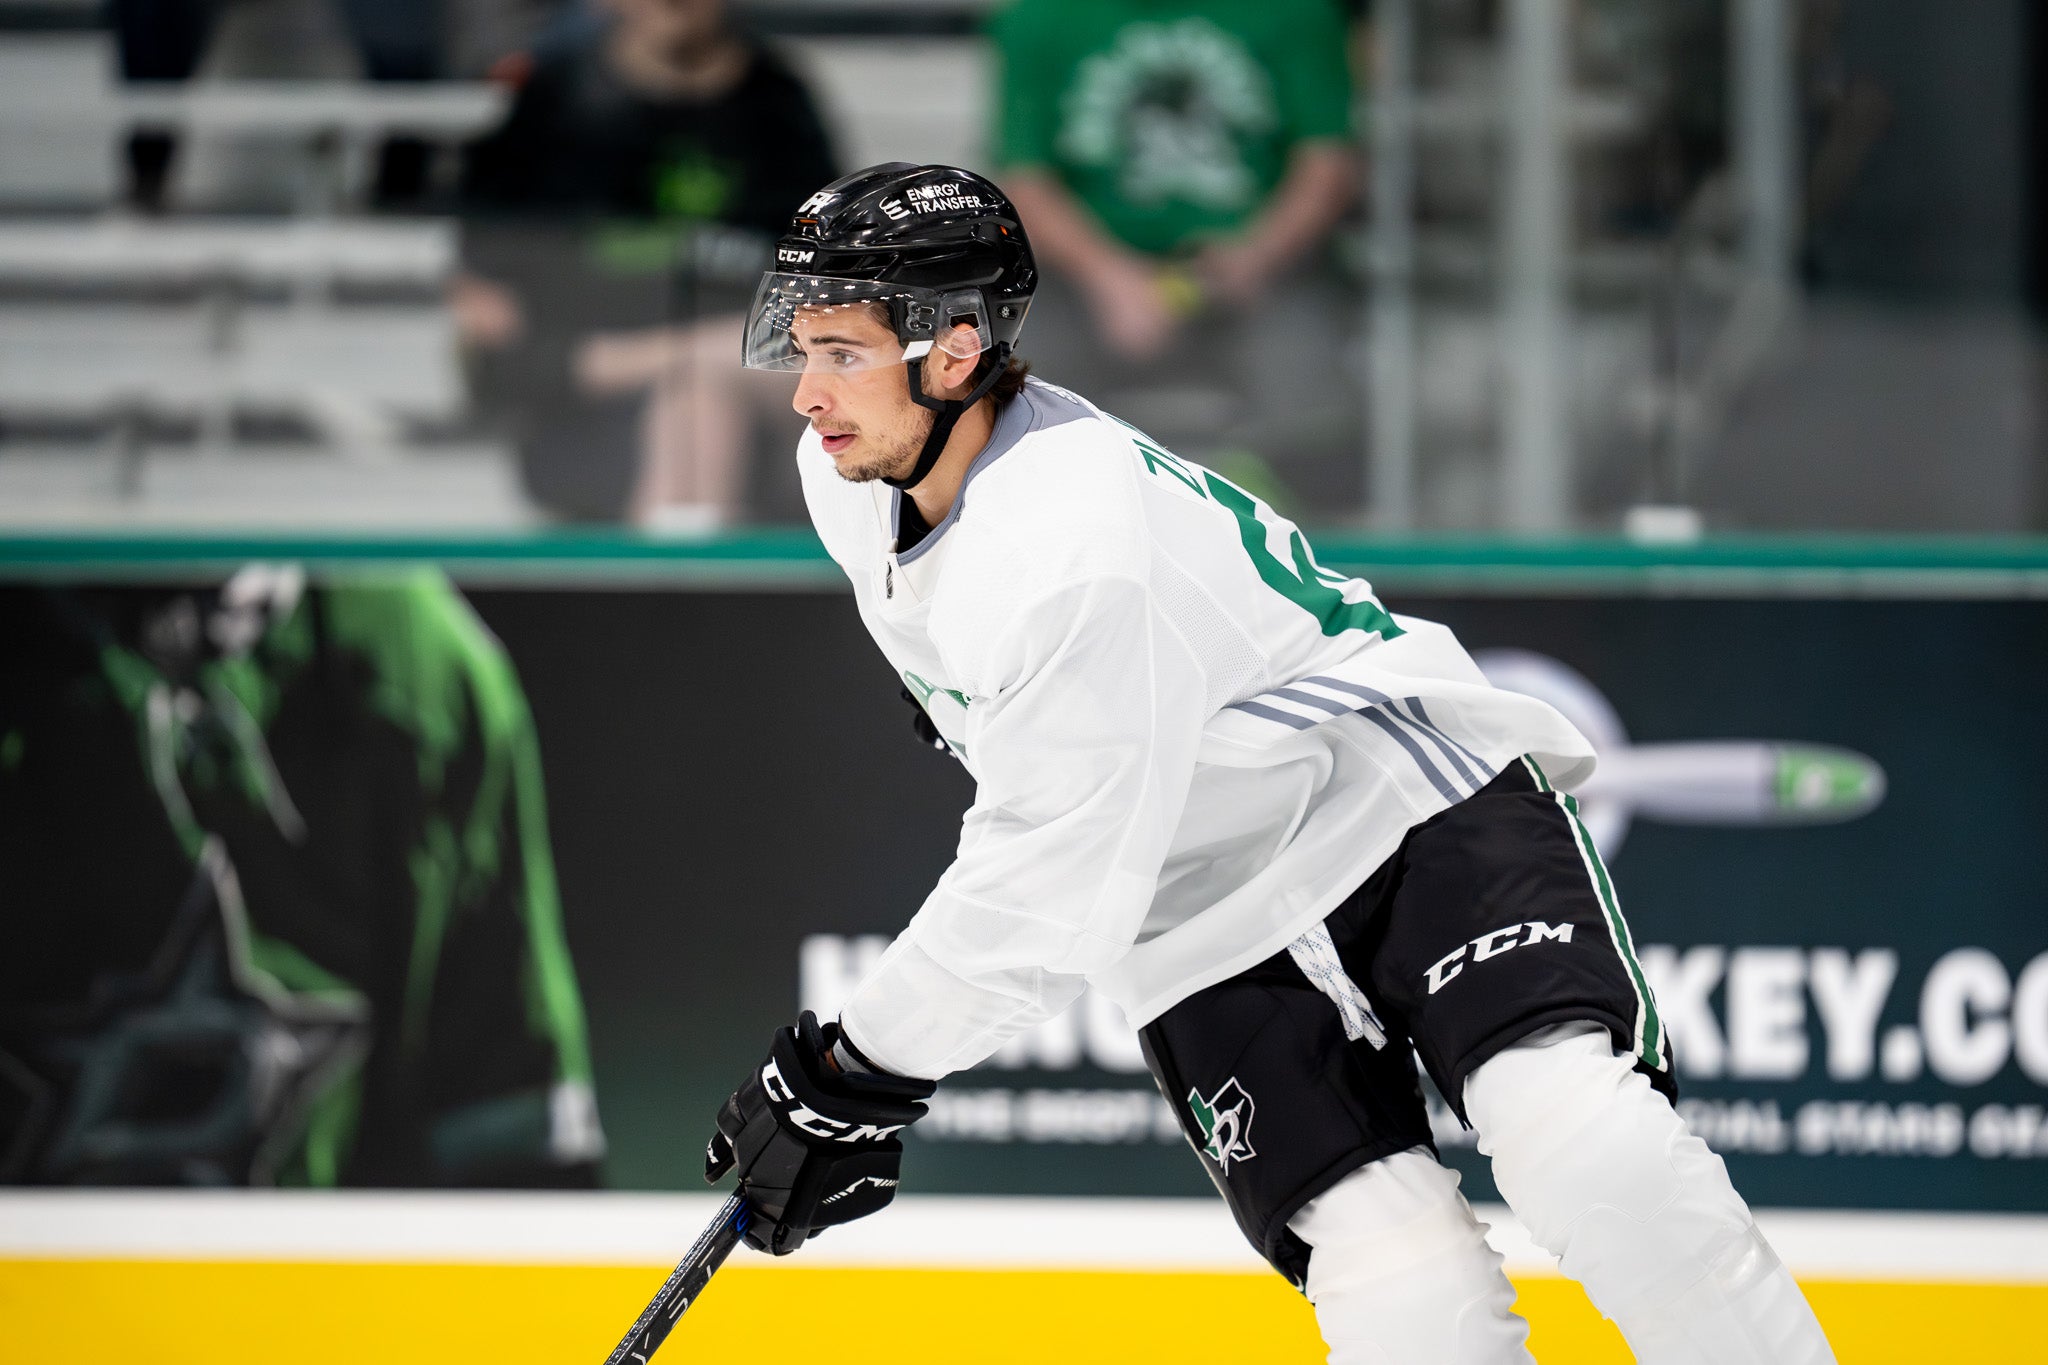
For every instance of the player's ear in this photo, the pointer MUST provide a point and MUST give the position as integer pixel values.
(949, 368)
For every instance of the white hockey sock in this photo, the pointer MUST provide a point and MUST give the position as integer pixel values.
(1401, 1273)
(1640, 1211)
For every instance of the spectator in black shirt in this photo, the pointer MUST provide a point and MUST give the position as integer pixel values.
(664, 150)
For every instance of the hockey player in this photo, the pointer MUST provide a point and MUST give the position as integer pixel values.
(1297, 838)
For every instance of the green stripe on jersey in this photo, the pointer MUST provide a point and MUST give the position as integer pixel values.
(1652, 1024)
(1649, 1024)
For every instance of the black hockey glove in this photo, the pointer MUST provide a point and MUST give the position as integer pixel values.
(814, 1146)
(927, 733)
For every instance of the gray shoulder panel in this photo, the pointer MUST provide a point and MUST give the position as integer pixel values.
(1052, 406)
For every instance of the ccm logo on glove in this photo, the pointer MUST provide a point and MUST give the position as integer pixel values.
(814, 1143)
(816, 1124)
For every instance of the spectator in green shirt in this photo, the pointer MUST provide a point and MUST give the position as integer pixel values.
(1171, 155)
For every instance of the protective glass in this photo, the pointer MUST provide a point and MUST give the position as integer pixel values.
(821, 322)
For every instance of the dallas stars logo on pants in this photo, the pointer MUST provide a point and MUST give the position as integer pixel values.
(1226, 1123)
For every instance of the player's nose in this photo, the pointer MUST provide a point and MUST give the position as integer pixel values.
(810, 399)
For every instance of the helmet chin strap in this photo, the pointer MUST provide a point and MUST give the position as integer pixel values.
(948, 410)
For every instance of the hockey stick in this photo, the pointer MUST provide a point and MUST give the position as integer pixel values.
(684, 1284)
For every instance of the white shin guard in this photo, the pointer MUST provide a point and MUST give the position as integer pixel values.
(1638, 1210)
(1401, 1273)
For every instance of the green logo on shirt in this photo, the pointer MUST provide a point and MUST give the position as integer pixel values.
(689, 184)
(1169, 107)
(924, 691)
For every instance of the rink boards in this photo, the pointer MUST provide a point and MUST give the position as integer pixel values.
(330, 1278)
(316, 1278)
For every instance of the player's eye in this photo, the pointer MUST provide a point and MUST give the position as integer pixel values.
(845, 360)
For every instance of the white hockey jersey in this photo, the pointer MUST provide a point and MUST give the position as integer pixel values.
(1189, 740)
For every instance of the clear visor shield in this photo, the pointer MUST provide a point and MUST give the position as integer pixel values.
(818, 322)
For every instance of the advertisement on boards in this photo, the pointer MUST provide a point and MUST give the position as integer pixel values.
(618, 837)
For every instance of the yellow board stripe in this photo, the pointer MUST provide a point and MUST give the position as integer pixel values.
(227, 1313)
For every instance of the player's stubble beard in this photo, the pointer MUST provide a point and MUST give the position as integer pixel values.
(898, 459)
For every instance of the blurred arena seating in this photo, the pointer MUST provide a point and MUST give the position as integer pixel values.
(249, 353)
(129, 321)
(1583, 283)
(224, 333)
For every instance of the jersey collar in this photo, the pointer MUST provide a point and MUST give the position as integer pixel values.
(1014, 420)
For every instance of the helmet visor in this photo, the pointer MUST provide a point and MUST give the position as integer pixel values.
(825, 323)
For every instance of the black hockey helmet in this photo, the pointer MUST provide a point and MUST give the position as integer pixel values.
(936, 246)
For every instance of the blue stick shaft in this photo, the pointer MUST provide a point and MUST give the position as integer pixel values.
(684, 1284)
